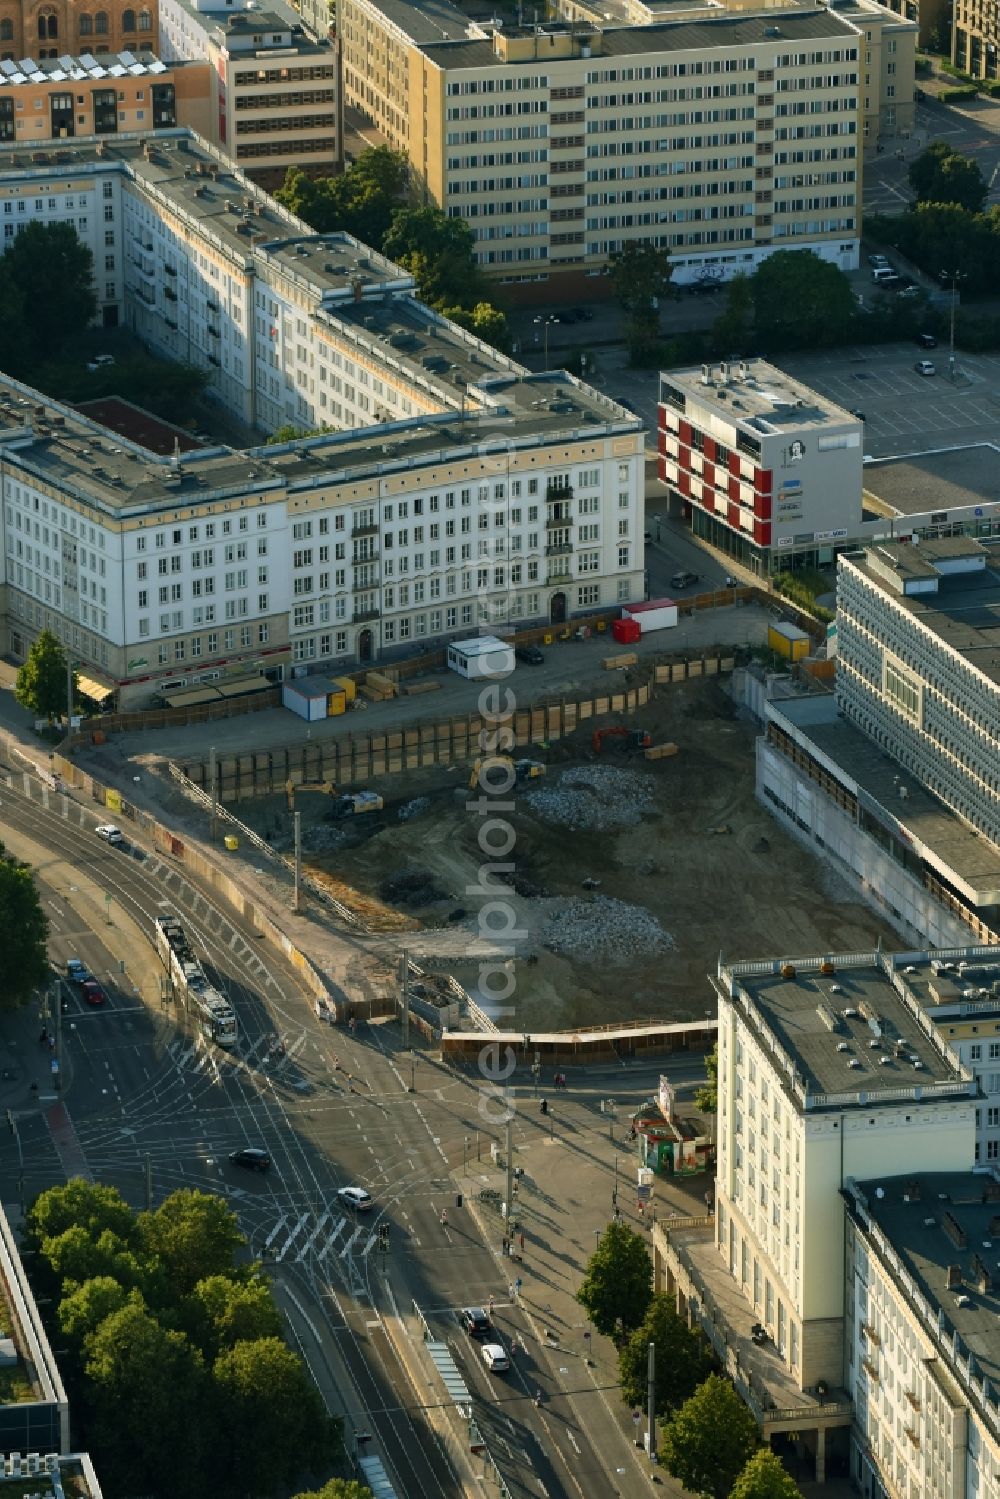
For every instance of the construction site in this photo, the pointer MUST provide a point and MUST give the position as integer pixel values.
(639, 855)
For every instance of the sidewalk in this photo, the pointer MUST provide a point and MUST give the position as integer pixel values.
(564, 1201)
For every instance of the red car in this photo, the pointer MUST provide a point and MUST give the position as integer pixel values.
(92, 992)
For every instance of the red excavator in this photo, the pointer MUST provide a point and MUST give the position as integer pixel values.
(634, 738)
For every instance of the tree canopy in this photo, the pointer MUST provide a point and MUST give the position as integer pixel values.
(47, 295)
(619, 1281)
(361, 201)
(640, 275)
(193, 1235)
(24, 931)
(262, 1387)
(801, 298)
(683, 1358)
(706, 1097)
(339, 1488)
(765, 1478)
(709, 1441)
(940, 174)
(41, 681)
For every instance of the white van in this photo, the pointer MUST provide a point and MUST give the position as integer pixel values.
(883, 274)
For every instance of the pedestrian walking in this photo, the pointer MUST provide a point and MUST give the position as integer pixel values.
(492, 1304)
(517, 1287)
(45, 1035)
(52, 1043)
(510, 1291)
(506, 1246)
(522, 1243)
(642, 1209)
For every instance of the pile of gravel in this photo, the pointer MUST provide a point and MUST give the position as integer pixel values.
(605, 928)
(320, 838)
(596, 797)
(418, 805)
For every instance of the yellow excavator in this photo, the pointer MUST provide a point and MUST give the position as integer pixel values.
(327, 788)
(524, 770)
(350, 804)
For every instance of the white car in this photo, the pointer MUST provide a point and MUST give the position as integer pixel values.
(110, 833)
(356, 1198)
(495, 1358)
(925, 367)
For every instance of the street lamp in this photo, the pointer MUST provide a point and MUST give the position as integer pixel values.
(952, 277)
(546, 322)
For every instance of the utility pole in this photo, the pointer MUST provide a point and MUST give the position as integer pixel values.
(149, 1182)
(651, 1400)
(56, 1005)
(213, 787)
(297, 825)
(404, 986)
(69, 690)
(509, 1147)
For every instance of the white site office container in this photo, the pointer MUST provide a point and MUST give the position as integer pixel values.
(654, 614)
(485, 656)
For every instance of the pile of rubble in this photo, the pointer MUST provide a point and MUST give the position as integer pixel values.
(414, 808)
(598, 798)
(603, 927)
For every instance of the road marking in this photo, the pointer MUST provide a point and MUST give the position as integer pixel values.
(344, 1253)
(291, 1238)
(312, 1238)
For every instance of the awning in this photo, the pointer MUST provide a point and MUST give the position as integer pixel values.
(90, 687)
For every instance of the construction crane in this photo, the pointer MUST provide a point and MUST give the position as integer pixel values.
(635, 738)
(326, 787)
(524, 770)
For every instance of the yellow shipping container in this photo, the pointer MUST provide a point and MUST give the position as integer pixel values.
(349, 686)
(788, 641)
(336, 702)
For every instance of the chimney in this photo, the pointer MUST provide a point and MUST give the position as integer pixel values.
(984, 1280)
(953, 1277)
(954, 1230)
(706, 374)
(911, 1192)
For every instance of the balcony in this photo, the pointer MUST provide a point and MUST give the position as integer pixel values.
(171, 322)
(562, 519)
(170, 270)
(556, 490)
(558, 573)
(564, 549)
(364, 616)
(214, 332)
(368, 529)
(170, 294)
(213, 306)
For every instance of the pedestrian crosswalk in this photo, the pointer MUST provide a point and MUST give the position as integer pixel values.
(267, 1053)
(322, 1239)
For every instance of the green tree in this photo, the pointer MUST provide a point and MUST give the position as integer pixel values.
(75, 1256)
(263, 1388)
(339, 1488)
(640, 277)
(801, 300)
(731, 329)
(439, 253)
(709, 1441)
(706, 1097)
(79, 1203)
(82, 1311)
(765, 1478)
(619, 1281)
(941, 174)
(224, 1312)
(485, 321)
(24, 931)
(194, 1235)
(54, 275)
(683, 1358)
(146, 1393)
(41, 681)
(361, 201)
(291, 433)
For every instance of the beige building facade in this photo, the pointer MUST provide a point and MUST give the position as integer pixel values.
(107, 96)
(718, 136)
(54, 28)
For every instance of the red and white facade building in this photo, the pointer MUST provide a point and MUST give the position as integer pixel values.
(766, 470)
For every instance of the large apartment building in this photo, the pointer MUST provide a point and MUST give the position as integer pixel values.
(453, 489)
(894, 777)
(276, 95)
(717, 136)
(55, 28)
(763, 467)
(114, 94)
(830, 1071)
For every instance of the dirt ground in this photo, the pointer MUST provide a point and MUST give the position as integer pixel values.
(745, 893)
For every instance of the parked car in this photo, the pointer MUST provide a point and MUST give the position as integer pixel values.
(100, 361)
(475, 1321)
(580, 314)
(110, 834)
(92, 993)
(495, 1358)
(529, 654)
(251, 1158)
(926, 341)
(683, 580)
(876, 260)
(925, 367)
(859, 414)
(356, 1198)
(76, 971)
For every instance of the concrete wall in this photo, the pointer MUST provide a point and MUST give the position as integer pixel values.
(803, 810)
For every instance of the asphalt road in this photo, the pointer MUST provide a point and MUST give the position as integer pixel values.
(335, 1109)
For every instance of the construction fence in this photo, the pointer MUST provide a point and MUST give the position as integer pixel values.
(356, 759)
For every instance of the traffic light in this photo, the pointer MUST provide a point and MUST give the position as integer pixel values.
(383, 1236)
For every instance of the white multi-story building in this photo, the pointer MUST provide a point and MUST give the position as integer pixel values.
(764, 467)
(829, 1070)
(453, 488)
(923, 1351)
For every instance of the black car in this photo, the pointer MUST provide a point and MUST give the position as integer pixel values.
(580, 314)
(251, 1158)
(926, 341)
(859, 414)
(529, 653)
(475, 1321)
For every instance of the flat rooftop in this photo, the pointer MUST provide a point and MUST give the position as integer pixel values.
(275, 16)
(963, 611)
(116, 475)
(941, 1222)
(848, 1032)
(725, 33)
(755, 394)
(966, 860)
(961, 478)
(80, 69)
(430, 21)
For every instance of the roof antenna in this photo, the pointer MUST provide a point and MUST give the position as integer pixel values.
(176, 459)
